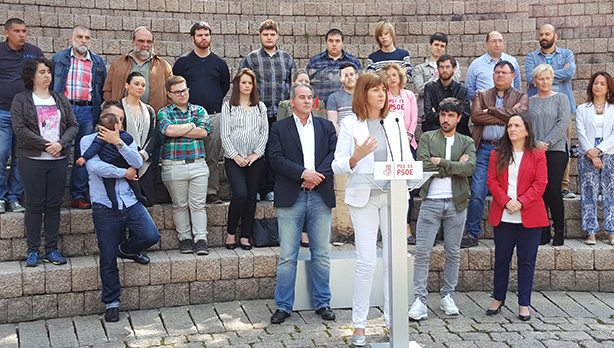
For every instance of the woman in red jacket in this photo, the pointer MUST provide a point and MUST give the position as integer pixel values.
(517, 179)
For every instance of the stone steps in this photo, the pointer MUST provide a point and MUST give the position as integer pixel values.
(175, 279)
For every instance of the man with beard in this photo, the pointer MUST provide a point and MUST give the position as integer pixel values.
(273, 68)
(80, 74)
(564, 65)
(445, 199)
(208, 79)
(443, 87)
(13, 54)
(142, 59)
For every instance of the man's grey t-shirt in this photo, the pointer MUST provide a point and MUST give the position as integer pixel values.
(340, 101)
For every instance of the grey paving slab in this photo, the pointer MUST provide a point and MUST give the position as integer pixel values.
(592, 303)
(177, 321)
(545, 307)
(257, 313)
(89, 329)
(62, 333)
(232, 316)
(206, 319)
(119, 331)
(8, 336)
(567, 304)
(33, 334)
(605, 297)
(147, 324)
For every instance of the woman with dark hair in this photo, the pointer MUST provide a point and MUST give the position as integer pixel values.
(141, 123)
(595, 126)
(549, 113)
(517, 179)
(362, 141)
(44, 126)
(244, 132)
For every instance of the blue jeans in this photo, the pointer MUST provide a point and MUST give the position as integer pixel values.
(479, 190)
(78, 178)
(10, 183)
(110, 231)
(309, 209)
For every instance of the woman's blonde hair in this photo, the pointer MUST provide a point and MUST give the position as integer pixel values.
(540, 69)
(359, 99)
(395, 66)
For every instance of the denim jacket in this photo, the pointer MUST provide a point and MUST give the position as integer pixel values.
(61, 65)
(562, 76)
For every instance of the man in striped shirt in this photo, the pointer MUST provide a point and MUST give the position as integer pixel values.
(184, 170)
(388, 52)
(80, 75)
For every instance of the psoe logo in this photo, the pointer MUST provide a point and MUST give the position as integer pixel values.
(388, 170)
(29, 56)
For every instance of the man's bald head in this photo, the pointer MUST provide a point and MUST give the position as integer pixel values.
(494, 44)
(547, 37)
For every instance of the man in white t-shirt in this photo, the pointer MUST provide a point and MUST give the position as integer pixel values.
(445, 198)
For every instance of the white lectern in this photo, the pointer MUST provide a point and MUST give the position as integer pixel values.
(394, 176)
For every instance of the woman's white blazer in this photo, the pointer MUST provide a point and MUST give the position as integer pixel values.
(352, 128)
(585, 125)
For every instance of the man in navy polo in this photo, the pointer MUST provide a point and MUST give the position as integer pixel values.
(13, 54)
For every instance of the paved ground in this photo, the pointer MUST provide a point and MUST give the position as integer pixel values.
(560, 319)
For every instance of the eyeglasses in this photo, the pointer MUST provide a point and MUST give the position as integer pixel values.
(180, 93)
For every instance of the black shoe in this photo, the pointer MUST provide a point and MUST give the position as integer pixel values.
(138, 257)
(201, 247)
(559, 239)
(326, 313)
(245, 246)
(186, 246)
(231, 246)
(524, 317)
(545, 238)
(495, 311)
(279, 317)
(111, 315)
(469, 241)
(305, 244)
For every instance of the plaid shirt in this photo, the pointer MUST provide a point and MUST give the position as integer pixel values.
(324, 73)
(273, 76)
(79, 78)
(183, 148)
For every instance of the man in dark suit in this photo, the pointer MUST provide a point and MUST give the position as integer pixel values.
(302, 148)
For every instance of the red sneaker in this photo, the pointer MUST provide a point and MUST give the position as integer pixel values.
(81, 203)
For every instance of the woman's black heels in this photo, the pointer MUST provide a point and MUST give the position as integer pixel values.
(495, 311)
(230, 246)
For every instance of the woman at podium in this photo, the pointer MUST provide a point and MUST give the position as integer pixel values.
(517, 179)
(364, 138)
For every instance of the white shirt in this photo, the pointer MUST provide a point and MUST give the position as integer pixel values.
(307, 137)
(598, 125)
(512, 188)
(442, 187)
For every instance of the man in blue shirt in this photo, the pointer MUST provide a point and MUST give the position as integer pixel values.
(564, 65)
(111, 225)
(13, 54)
(323, 68)
(479, 74)
(79, 73)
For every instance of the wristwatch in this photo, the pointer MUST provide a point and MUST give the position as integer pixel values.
(119, 145)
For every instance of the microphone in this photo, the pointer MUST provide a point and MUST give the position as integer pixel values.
(400, 135)
(381, 122)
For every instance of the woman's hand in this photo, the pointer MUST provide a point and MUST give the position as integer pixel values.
(252, 158)
(597, 162)
(542, 146)
(361, 151)
(513, 206)
(240, 161)
(54, 149)
(592, 153)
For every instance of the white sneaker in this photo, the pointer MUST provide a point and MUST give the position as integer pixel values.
(448, 306)
(418, 310)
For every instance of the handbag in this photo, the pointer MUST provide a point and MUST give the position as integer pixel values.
(265, 232)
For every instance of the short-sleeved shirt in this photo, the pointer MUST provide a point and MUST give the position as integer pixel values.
(11, 67)
(340, 101)
(180, 147)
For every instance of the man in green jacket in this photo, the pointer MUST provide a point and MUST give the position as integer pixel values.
(444, 201)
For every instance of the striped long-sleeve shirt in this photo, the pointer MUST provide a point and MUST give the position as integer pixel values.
(244, 132)
(379, 58)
